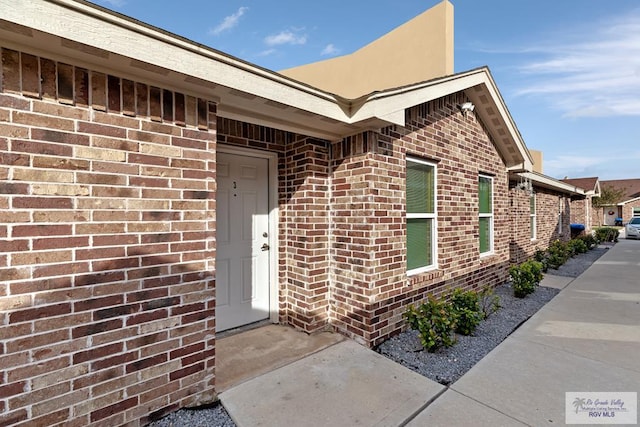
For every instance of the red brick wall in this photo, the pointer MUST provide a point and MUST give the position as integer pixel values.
(107, 203)
(581, 212)
(342, 228)
(303, 229)
(371, 288)
(627, 210)
(305, 234)
(548, 205)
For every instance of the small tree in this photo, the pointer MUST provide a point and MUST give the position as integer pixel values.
(609, 196)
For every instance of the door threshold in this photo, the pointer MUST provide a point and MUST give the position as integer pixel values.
(243, 328)
(263, 348)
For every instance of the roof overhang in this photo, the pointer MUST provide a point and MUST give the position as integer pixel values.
(102, 40)
(105, 41)
(481, 89)
(635, 199)
(544, 181)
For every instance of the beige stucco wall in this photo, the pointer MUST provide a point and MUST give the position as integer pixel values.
(422, 48)
(537, 161)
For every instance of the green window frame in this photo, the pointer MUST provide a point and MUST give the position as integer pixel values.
(421, 218)
(533, 216)
(636, 212)
(485, 216)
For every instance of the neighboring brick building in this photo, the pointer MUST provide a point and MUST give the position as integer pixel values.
(154, 192)
(628, 207)
(582, 211)
(542, 210)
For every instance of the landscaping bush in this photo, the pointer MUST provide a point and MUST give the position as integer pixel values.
(557, 254)
(489, 302)
(589, 240)
(542, 257)
(578, 246)
(525, 277)
(607, 234)
(435, 320)
(466, 305)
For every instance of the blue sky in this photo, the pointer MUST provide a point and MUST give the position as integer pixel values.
(569, 70)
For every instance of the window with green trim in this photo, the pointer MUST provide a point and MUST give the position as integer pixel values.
(532, 215)
(485, 195)
(421, 215)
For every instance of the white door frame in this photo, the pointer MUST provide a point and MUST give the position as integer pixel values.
(272, 158)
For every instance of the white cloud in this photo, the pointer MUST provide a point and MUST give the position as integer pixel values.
(267, 52)
(285, 37)
(598, 76)
(228, 22)
(330, 49)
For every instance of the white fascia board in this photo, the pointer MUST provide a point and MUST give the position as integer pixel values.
(391, 103)
(83, 23)
(549, 182)
(628, 201)
(382, 104)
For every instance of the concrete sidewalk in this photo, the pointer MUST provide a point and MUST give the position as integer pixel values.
(586, 339)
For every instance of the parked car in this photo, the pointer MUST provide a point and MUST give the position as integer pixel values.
(633, 228)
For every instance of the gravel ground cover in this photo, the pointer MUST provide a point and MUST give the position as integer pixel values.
(444, 366)
(578, 264)
(212, 416)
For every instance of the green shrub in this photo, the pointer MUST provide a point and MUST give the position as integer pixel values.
(557, 254)
(466, 305)
(489, 302)
(570, 250)
(607, 234)
(578, 246)
(525, 277)
(541, 257)
(435, 320)
(589, 240)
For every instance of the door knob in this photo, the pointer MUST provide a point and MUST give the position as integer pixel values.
(265, 247)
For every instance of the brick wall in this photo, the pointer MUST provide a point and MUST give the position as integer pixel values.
(627, 210)
(548, 206)
(303, 228)
(108, 217)
(581, 212)
(107, 203)
(371, 289)
(342, 228)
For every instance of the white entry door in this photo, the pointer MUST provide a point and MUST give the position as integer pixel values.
(242, 250)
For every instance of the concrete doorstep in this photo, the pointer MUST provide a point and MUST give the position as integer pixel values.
(343, 385)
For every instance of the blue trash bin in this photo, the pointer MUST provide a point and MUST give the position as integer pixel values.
(576, 229)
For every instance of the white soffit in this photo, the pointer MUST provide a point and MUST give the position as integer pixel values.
(551, 183)
(479, 87)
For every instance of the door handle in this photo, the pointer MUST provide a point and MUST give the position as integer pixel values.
(265, 247)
